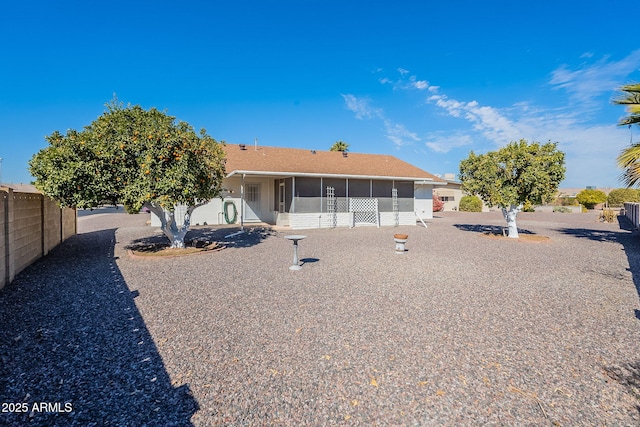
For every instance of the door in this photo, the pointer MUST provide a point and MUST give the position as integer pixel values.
(423, 202)
(252, 199)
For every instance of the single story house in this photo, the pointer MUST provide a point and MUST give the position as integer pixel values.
(452, 193)
(303, 189)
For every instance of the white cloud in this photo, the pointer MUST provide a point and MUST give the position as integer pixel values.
(399, 134)
(590, 147)
(360, 106)
(395, 132)
(588, 81)
(421, 84)
(443, 143)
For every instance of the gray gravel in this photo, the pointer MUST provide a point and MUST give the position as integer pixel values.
(462, 329)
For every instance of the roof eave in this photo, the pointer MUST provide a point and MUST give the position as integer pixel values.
(420, 180)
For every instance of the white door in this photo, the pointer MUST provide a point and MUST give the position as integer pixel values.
(252, 199)
(423, 201)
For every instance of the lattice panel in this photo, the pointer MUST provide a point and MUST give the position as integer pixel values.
(396, 210)
(331, 206)
(365, 210)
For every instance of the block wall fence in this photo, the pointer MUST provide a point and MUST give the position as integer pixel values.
(632, 212)
(31, 224)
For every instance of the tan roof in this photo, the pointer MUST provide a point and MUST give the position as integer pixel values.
(295, 161)
(21, 188)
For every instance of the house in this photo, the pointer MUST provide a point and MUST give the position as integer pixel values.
(300, 189)
(452, 193)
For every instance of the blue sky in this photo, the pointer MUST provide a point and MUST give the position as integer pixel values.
(425, 81)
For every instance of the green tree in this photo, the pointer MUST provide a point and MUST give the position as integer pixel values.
(140, 158)
(515, 174)
(339, 146)
(620, 196)
(470, 204)
(629, 158)
(589, 198)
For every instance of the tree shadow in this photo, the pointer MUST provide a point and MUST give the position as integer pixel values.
(627, 374)
(202, 236)
(488, 229)
(72, 337)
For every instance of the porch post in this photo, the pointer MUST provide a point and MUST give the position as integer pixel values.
(293, 194)
(242, 204)
(321, 194)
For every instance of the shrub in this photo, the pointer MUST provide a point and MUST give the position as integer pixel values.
(567, 201)
(561, 209)
(608, 215)
(470, 204)
(589, 198)
(619, 196)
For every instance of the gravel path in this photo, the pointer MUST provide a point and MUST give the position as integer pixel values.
(462, 329)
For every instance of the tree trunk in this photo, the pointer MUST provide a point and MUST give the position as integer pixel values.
(169, 226)
(510, 215)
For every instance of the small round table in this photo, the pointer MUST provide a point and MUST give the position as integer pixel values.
(295, 238)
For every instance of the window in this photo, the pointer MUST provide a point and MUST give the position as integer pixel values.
(253, 193)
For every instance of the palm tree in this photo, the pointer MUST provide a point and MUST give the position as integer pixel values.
(629, 158)
(339, 146)
(630, 98)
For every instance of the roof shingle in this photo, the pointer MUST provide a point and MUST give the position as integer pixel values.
(297, 161)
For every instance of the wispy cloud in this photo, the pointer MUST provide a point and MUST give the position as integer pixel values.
(395, 132)
(443, 143)
(398, 134)
(489, 121)
(588, 81)
(403, 83)
(360, 106)
(581, 92)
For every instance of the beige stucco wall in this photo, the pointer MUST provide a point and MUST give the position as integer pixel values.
(30, 226)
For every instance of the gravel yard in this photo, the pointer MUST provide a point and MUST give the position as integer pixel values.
(462, 329)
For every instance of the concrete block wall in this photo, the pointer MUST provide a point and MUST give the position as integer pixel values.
(632, 212)
(4, 230)
(31, 225)
(26, 246)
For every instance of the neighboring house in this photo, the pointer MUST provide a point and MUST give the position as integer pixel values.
(452, 193)
(302, 189)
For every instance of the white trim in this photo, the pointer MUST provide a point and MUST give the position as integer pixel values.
(417, 181)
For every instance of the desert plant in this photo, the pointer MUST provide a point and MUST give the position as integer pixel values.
(620, 196)
(470, 204)
(608, 215)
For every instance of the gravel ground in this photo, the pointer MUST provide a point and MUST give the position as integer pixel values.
(462, 329)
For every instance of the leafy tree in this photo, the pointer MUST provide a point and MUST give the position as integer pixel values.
(515, 174)
(339, 146)
(140, 158)
(629, 158)
(589, 198)
(470, 204)
(620, 196)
